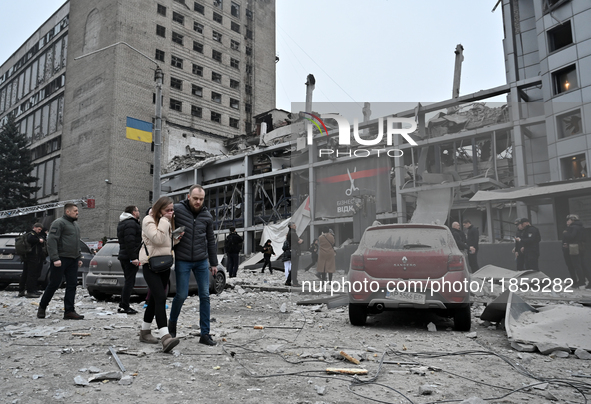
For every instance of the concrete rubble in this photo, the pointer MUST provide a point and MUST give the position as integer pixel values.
(248, 364)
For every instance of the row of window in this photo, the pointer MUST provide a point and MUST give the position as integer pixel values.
(44, 121)
(196, 69)
(196, 111)
(180, 18)
(197, 91)
(200, 8)
(42, 69)
(48, 177)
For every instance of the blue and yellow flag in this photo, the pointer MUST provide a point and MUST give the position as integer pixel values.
(138, 130)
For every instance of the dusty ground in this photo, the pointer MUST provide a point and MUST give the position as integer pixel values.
(272, 365)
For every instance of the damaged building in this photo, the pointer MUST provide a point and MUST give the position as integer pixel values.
(83, 90)
(487, 162)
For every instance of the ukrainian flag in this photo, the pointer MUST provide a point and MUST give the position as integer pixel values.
(138, 130)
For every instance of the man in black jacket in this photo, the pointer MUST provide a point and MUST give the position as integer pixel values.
(197, 252)
(519, 256)
(233, 248)
(32, 263)
(573, 239)
(530, 242)
(472, 242)
(129, 234)
(459, 236)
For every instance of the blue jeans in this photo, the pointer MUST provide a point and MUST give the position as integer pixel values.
(182, 271)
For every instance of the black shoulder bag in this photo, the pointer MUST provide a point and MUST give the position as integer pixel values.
(159, 263)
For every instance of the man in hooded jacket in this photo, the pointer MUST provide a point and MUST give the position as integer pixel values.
(129, 234)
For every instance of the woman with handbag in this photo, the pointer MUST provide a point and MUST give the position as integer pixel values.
(156, 259)
(326, 255)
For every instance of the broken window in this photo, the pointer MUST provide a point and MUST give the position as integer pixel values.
(176, 62)
(216, 97)
(197, 70)
(216, 55)
(199, 8)
(161, 10)
(235, 45)
(235, 9)
(235, 27)
(216, 36)
(57, 56)
(60, 113)
(49, 63)
(196, 111)
(234, 84)
(197, 47)
(179, 18)
(560, 36)
(160, 55)
(40, 180)
(248, 89)
(235, 63)
(218, 4)
(45, 120)
(21, 85)
(217, 18)
(248, 51)
(234, 122)
(56, 175)
(216, 117)
(41, 71)
(234, 103)
(176, 83)
(574, 167)
(65, 50)
(197, 90)
(565, 79)
(216, 77)
(53, 116)
(177, 38)
(161, 31)
(176, 105)
(197, 27)
(30, 123)
(569, 124)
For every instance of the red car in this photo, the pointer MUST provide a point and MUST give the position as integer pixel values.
(417, 266)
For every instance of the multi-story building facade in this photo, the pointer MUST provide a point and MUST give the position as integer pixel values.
(74, 94)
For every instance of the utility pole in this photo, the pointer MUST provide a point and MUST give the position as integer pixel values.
(158, 77)
(457, 71)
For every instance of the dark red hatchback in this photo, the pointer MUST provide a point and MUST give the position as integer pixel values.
(414, 266)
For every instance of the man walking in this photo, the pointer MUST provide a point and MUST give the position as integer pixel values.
(296, 248)
(472, 242)
(32, 263)
(233, 248)
(64, 254)
(197, 252)
(530, 244)
(129, 234)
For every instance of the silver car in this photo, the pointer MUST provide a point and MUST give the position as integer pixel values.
(105, 277)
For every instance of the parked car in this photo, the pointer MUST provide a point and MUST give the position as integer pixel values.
(409, 266)
(105, 277)
(11, 266)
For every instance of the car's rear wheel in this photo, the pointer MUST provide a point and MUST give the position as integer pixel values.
(3, 285)
(357, 313)
(219, 283)
(99, 295)
(462, 319)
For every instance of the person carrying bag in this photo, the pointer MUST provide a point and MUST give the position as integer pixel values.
(156, 258)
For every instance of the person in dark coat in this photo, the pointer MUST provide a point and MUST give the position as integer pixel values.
(287, 258)
(472, 242)
(129, 234)
(459, 236)
(195, 252)
(530, 242)
(233, 248)
(314, 251)
(573, 239)
(519, 256)
(267, 252)
(32, 263)
(296, 246)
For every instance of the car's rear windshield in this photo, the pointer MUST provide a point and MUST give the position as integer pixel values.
(109, 249)
(6, 242)
(405, 239)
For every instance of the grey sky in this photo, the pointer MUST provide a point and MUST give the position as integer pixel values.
(376, 50)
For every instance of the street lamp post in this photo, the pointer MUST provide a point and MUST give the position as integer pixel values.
(158, 76)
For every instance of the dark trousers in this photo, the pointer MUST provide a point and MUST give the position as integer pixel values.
(129, 272)
(314, 261)
(233, 261)
(69, 270)
(531, 260)
(293, 274)
(473, 262)
(520, 262)
(267, 262)
(157, 283)
(30, 276)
